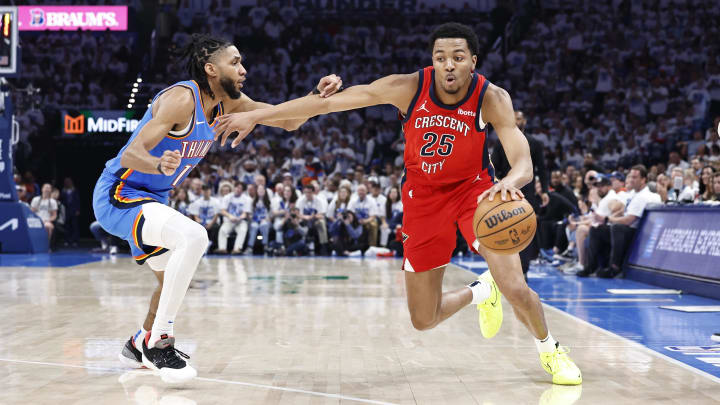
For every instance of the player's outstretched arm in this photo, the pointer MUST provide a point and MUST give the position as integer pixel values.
(327, 86)
(497, 109)
(174, 107)
(397, 90)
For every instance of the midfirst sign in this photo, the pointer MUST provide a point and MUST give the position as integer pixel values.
(102, 122)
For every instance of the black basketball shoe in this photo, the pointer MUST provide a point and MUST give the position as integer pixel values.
(130, 355)
(167, 360)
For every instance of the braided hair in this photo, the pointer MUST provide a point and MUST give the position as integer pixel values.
(198, 52)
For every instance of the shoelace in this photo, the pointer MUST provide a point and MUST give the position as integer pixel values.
(561, 357)
(170, 354)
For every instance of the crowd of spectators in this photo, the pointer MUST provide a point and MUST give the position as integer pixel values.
(310, 213)
(58, 209)
(605, 86)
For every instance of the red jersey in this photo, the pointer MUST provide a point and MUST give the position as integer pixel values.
(446, 143)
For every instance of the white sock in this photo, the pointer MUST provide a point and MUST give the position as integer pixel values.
(546, 345)
(138, 338)
(480, 291)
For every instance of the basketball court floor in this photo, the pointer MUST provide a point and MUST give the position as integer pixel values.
(334, 331)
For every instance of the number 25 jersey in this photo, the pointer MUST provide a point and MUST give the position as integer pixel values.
(446, 144)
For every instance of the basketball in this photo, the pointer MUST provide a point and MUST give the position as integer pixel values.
(505, 227)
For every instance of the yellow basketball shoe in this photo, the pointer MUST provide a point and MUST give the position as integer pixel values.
(561, 366)
(490, 311)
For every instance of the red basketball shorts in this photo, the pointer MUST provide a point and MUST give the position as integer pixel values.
(431, 216)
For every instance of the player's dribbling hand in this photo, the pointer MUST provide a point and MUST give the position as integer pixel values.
(242, 123)
(504, 189)
(329, 85)
(169, 161)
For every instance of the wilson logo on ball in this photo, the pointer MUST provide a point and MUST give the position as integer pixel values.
(503, 216)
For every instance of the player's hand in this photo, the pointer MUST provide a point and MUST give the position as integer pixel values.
(169, 162)
(242, 123)
(329, 85)
(504, 190)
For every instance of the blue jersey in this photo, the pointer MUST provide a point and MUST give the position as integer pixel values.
(120, 192)
(193, 143)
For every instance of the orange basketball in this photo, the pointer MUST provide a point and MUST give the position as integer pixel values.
(505, 227)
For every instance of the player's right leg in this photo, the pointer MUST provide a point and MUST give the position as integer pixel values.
(131, 354)
(429, 238)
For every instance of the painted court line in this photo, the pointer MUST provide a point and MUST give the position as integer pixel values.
(215, 380)
(631, 342)
(638, 345)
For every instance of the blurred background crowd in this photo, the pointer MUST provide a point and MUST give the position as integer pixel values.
(619, 113)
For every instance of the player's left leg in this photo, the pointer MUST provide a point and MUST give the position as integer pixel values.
(507, 273)
(187, 241)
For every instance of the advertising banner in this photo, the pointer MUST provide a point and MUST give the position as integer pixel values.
(89, 122)
(682, 240)
(72, 18)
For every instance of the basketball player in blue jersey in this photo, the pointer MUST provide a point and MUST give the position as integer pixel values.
(131, 195)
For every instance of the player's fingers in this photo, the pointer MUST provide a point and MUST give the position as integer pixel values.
(482, 196)
(330, 87)
(503, 194)
(491, 194)
(237, 140)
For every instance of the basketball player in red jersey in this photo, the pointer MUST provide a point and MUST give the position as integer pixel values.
(445, 109)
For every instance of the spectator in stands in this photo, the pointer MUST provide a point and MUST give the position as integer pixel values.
(180, 201)
(380, 200)
(392, 220)
(107, 241)
(554, 208)
(235, 212)
(206, 211)
(281, 205)
(560, 188)
(716, 186)
(260, 218)
(706, 191)
(363, 208)
(71, 200)
(195, 191)
(678, 192)
(32, 188)
(294, 234)
(339, 204)
(614, 237)
(22, 194)
(349, 235)
(312, 212)
(60, 220)
(674, 160)
(611, 204)
(45, 207)
(224, 188)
